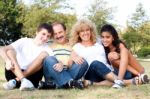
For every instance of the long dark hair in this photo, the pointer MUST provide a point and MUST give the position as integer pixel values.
(109, 28)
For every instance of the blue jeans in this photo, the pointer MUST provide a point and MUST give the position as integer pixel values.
(128, 75)
(98, 70)
(61, 78)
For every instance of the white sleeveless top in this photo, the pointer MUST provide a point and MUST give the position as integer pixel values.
(91, 53)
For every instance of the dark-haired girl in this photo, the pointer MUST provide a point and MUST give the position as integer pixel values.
(119, 56)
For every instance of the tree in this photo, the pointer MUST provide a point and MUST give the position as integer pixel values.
(132, 39)
(44, 11)
(18, 19)
(144, 30)
(99, 13)
(10, 30)
(138, 18)
(137, 32)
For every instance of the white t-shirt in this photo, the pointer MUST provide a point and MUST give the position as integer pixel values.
(91, 53)
(27, 51)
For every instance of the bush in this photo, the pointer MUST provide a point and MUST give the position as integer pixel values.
(144, 51)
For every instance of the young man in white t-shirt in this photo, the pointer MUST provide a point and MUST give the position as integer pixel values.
(24, 59)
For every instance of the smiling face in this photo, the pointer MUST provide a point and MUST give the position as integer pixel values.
(85, 33)
(42, 36)
(59, 34)
(107, 39)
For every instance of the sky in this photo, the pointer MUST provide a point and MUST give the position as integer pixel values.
(123, 8)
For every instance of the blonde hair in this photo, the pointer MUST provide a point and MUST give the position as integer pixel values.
(77, 28)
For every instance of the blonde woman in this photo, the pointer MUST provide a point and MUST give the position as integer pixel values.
(86, 47)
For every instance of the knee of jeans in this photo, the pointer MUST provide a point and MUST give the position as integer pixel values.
(49, 61)
(97, 64)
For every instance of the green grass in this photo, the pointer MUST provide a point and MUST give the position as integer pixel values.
(93, 92)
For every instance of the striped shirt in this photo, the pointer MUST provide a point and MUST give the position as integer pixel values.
(62, 52)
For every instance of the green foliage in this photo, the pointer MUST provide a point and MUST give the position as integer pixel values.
(138, 31)
(47, 11)
(144, 51)
(99, 13)
(10, 30)
(132, 40)
(33, 18)
(16, 17)
(144, 30)
(138, 18)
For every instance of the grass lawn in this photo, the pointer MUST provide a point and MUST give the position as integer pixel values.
(93, 92)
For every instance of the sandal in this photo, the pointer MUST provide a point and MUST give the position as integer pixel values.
(141, 79)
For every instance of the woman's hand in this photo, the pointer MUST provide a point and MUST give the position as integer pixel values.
(113, 56)
(77, 59)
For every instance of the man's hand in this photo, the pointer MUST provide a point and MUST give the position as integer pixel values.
(58, 67)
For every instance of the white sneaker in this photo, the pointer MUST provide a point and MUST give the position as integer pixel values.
(118, 84)
(26, 85)
(11, 84)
